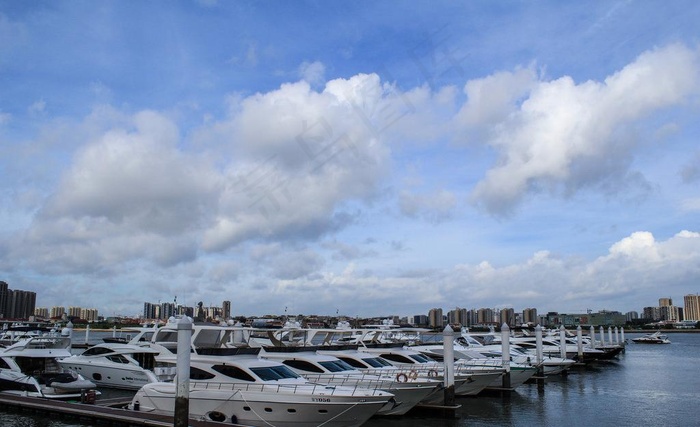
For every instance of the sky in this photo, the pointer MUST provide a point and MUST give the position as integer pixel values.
(366, 158)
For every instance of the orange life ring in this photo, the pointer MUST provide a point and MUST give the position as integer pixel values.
(401, 377)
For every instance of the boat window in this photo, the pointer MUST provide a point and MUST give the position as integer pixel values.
(233, 372)
(421, 358)
(303, 365)
(272, 373)
(117, 358)
(377, 362)
(198, 374)
(397, 358)
(336, 366)
(95, 351)
(355, 363)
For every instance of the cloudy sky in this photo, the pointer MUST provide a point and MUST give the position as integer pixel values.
(368, 157)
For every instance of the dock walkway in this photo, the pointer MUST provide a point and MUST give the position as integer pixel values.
(94, 414)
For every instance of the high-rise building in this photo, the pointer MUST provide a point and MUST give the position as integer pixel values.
(41, 312)
(691, 304)
(665, 302)
(435, 318)
(455, 317)
(485, 316)
(74, 312)
(508, 316)
(57, 312)
(530, 316)
(89, 314)
(149, 310)
(226, 309)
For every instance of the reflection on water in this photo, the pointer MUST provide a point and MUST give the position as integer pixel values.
(650, 385)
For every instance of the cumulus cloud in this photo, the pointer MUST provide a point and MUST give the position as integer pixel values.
(301, 154)
(564, 136)
(634, 270)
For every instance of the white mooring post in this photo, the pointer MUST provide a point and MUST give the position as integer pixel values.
(622, 336)
(539, 357)
(538, 344)
(617, 336)
(87, 333)
(448, 343)
(592, 333)
(579, 337)
(602, 336)
(505, 354)
(610, 341)
(562, 341)
(114, 331)
(182, 397)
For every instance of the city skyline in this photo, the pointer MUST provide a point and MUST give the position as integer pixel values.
(361, 157)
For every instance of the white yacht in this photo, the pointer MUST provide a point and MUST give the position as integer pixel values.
(30, 367)
(113, 365)
(468, 382)
(256, 392)
(655, 338)
(328, 369)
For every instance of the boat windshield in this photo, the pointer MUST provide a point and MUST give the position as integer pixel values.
(273, 373)
(421, 358)
(377, 362)
(336, 366)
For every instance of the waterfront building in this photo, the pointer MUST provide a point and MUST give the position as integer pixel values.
(507, 316)
(456, 316)
(74, 312)
(58, 312)
(41, 312)
(691, 305)
(651, 313)
(530, 316)
(485, 316)
(420, 320)
(226, 309)
(89, 314)
(435, 318)
(16, 304)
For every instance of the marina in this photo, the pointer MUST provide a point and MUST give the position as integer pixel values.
(630, 382)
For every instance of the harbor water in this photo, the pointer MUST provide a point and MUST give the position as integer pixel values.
(649, 385)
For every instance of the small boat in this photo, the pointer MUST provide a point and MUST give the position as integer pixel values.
(124, 366)
(655, 338)
(30, 367)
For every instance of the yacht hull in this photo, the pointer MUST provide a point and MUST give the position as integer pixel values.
(263, 408)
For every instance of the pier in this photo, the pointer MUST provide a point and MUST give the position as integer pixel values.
(109, 412)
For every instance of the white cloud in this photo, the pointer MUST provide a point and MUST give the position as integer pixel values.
(312, 72)
(566, 135)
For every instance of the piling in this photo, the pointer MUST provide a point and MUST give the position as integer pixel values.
(617, 336)
(592, 332)
(505, 355)
(579, 337)
(539, 357)
(602, 336)
(87, 334)
(449, 361)
(182, 396)
(610, 341)
(562, 341)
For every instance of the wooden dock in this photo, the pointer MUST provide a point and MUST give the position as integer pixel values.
(102, 413)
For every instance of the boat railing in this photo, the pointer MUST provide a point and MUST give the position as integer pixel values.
(303, 388)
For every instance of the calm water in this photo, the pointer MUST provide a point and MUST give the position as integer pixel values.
(650, 385)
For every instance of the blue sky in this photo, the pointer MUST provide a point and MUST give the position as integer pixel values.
(373, 158)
